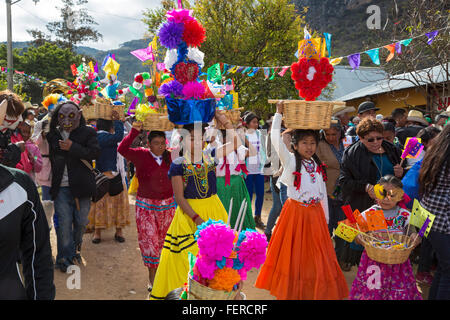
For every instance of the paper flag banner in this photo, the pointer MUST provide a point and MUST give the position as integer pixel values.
(296, 54)
(309, 48)
(375, 220)
(266, 72)
(160, 66)
(80, 68)
(328, 43)
(246, 70)
(362, 223)
(74, 69)
(306, 33)
(214, 73)
(431, 36)
(419, 215)
(354, 60)
(398, 47)
(144, 54)
(273, 74)
(91, 66)
(283, 71)
(413, 148)
(336, 61)
(233, 69)
(406, 42)
(374, 54)
(137, 93)
(349, 213)
(111, 66)
(346, 232)
(106, 59)
(239, 69)
(96, 68)
(255, 70)
(391, 49)
(226, 67)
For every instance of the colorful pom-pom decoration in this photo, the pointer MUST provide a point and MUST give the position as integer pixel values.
(194, 34)
(171, 34)
(193, 90)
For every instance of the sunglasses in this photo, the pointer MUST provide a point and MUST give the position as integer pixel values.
(373, 139)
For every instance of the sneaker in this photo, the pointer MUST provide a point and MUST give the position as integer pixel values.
(424, 278)
(258, 222)
(63, 266)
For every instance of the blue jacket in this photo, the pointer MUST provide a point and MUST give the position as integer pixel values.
(108, 144)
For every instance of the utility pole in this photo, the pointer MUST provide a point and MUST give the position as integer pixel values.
(9, 46)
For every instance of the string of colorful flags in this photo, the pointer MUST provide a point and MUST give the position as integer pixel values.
(22, 73)
(353, 59)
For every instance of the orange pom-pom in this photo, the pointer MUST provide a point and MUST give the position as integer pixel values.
(225, 279)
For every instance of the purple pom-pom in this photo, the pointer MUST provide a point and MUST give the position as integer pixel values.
(171, 89)
(171, 34)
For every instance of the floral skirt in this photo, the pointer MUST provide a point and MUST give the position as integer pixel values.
(110, 211)
(301, 263)
(379, 281)
(153, 218)
(173, 269)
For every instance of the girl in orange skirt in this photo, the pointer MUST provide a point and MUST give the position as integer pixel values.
(301, 262)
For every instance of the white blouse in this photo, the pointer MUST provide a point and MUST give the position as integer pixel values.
(233, 159)
(309, 191)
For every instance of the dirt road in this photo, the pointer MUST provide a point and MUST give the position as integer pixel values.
(114, 271)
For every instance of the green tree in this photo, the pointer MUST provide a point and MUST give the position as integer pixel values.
(247, 33)
(75, 26)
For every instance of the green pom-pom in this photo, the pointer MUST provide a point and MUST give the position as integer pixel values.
(146, 75)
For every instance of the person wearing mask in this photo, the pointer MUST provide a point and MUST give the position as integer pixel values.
(73, 182)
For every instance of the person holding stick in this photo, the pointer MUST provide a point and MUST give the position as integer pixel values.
(301, 263)
(193, 178)
(397, 280)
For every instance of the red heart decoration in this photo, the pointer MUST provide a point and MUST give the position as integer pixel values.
(321, 76)
(186, 72)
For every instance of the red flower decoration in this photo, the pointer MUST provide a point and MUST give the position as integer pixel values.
(139, 79)
(120, 91)
(186, 72)
(311, 77)
(194, 34)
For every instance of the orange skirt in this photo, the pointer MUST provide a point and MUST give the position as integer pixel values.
(301, 262)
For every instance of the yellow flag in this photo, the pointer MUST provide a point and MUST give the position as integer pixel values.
(346, 232)
(91, 66)
(234, 69)
(419, 215)
(336, 61)
(111, 66)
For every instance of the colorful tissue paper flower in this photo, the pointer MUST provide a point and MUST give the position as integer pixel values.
(194, 34)
(206, 266)
(205, 225)
(186, 72)
(242, 273)
(194, 54)
(193, 90)
(171, 34)
(179, 16)
(252, 251)
(139, 78)
(171, 58)
(225, 279)
(171, 89)
(216, 241)
(152, 99)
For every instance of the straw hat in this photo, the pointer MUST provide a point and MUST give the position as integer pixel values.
(339, 110)
(417, 116)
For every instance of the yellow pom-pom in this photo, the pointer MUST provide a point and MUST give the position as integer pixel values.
(225, 279)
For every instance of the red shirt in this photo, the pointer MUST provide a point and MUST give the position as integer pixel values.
(153, 179)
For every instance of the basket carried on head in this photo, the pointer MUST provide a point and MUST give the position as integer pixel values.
(234, 115)
(104, 109)
(89, 111)
(302, 114)
(388, 255)
(198, 291)
(157, 122)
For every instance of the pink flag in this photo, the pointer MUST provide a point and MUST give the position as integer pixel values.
(144, 54)
(283, 72)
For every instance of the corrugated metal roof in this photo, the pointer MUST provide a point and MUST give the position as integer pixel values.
(405, 80)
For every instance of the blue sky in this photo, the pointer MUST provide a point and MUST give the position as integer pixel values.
(119, 20)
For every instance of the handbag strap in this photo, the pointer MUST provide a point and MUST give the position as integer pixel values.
(87, 164)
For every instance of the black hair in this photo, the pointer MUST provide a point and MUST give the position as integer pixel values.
(191, 127)
(397, 112)
(388, 126)
(428, 133)
(159, 134)
(298, 135)
(26, 113)
(54, 120)
(249, 117)
(105, 125)
(174, 294)
(391, 179)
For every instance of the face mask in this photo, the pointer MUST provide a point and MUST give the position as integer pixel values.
(69, 117)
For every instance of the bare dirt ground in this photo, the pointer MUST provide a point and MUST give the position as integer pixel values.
(114, 271)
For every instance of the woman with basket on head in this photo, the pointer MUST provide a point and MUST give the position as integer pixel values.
(114, 207)
(155, 204)
(396, 281)
(301, 263)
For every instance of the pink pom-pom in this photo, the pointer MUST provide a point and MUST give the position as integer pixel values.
(252, 251)
(216, 241)
(243, 273)
(193, 90)
(409, 147)
(206, 267)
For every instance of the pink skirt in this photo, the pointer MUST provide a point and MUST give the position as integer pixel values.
(379, 281)
(153, 218)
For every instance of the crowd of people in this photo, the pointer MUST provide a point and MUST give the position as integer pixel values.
(311, 175)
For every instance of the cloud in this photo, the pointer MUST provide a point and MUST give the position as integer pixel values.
(118, 20)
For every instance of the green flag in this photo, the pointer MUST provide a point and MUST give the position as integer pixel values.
(214, 73)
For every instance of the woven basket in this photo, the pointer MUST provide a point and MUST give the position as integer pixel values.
(234, 115)
(198, 291)
(301, 114)
(157, 122)
(89, 112)
(390, 255)
(104, 109)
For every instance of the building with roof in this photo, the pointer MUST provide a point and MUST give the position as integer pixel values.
(408, 90)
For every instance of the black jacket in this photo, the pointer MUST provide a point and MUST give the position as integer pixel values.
(407, 132)
(84, 146)
(358, 169)
(24, 233)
